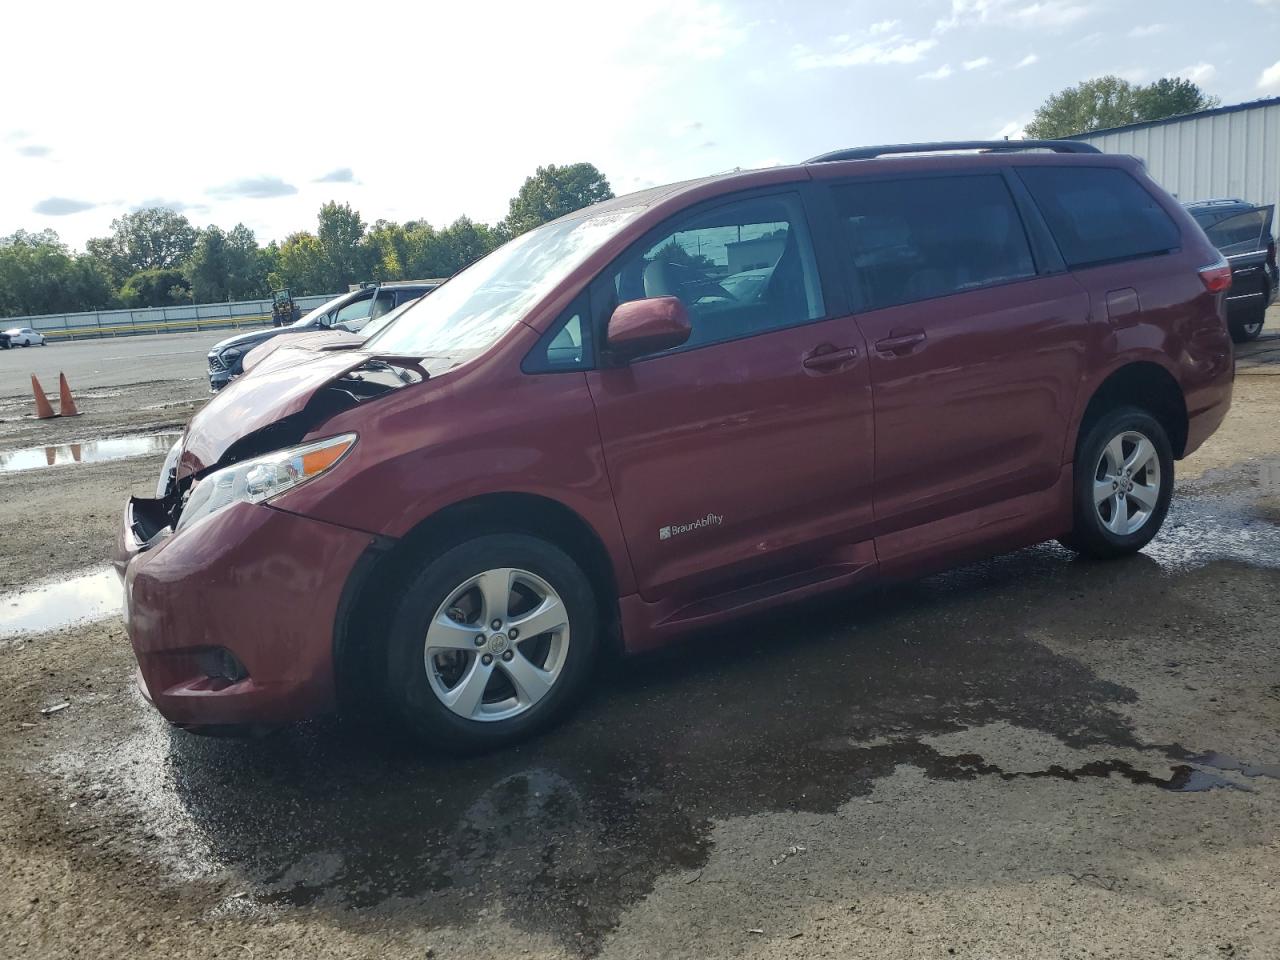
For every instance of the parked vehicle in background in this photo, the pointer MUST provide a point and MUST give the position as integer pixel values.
(1242, 231)
(354, 308)
(301, 348)
(283, 310)
(4, 340)
(585, 438)
(25, 337)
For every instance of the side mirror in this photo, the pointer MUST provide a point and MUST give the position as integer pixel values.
(646, 326)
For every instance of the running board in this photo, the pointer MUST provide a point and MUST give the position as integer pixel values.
(769, 593)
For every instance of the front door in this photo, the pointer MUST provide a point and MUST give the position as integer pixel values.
(748, 451)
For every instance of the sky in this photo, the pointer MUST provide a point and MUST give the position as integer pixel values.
(260, 112)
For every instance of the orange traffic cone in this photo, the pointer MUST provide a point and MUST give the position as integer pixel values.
(66, 402)
(43, 410)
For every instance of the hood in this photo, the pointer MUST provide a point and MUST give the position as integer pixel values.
(244, 341)
(277, 407)
(283, 351)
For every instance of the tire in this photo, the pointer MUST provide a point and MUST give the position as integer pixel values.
(1249, 327)
(1104, 528)
(447, 595)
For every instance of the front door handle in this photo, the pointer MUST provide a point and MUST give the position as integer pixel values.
(901, 343)
(828, 357)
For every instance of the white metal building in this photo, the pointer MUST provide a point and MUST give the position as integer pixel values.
(1225, 152)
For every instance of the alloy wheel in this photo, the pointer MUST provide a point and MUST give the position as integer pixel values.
(497, 645)
(1126, 483)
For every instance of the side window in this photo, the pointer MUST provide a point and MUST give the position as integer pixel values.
(566, 344)
(382, 304)
(742, 268)
(912, 240)
(1100, 214)
(354, 311)
(1239, 233)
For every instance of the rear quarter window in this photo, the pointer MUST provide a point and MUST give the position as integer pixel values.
(1100, 214)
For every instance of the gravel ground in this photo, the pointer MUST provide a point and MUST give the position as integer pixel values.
(1030, 757)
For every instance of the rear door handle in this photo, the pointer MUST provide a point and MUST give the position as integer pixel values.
(902, 343)
(828, 357)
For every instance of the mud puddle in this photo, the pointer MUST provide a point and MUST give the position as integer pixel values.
(93, 595)
(90, 451)
(802, 712)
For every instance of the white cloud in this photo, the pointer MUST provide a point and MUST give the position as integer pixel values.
(1199, 73)
(1148, 30)
(977, 64)
(941, 73)
(1040, 15)
(883, 26)
(1131, 74)
(1270, 79)
(705, 31)
(1026, 61)
(884, 49)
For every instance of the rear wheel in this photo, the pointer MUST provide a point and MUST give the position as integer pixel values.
(1249, 325)
(493, 640)
(1123, 484)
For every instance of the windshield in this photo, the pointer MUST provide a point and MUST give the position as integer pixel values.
(321, 310)
(482, 302)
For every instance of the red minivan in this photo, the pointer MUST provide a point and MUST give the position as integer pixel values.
(672, 409)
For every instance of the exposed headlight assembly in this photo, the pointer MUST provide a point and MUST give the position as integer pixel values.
(168, 470)
(262, 478)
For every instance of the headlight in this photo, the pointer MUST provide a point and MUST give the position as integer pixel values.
(262, 478)
(166, 472)
(230, 356)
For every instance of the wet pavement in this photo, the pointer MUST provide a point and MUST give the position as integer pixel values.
(799, 712)
(88, 451)
(93, 595)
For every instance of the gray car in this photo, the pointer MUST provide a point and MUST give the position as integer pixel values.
(349, 312)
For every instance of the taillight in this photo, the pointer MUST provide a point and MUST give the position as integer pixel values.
(1271, 254)
(1216, 277)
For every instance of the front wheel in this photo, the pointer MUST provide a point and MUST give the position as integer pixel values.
(1123, 484)
(493, 640)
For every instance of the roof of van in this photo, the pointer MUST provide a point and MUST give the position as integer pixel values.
(968, 151)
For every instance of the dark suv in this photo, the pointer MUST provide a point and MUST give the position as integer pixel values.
(603, 434)
(1242, 231)
(349, 312)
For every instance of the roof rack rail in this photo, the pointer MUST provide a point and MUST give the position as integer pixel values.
(987, 146)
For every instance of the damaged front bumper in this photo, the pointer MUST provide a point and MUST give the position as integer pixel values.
(232, 620)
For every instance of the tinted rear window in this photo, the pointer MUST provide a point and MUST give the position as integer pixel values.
(1100, 214)
(1242, 230)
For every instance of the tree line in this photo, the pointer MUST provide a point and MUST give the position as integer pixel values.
(155, 256)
